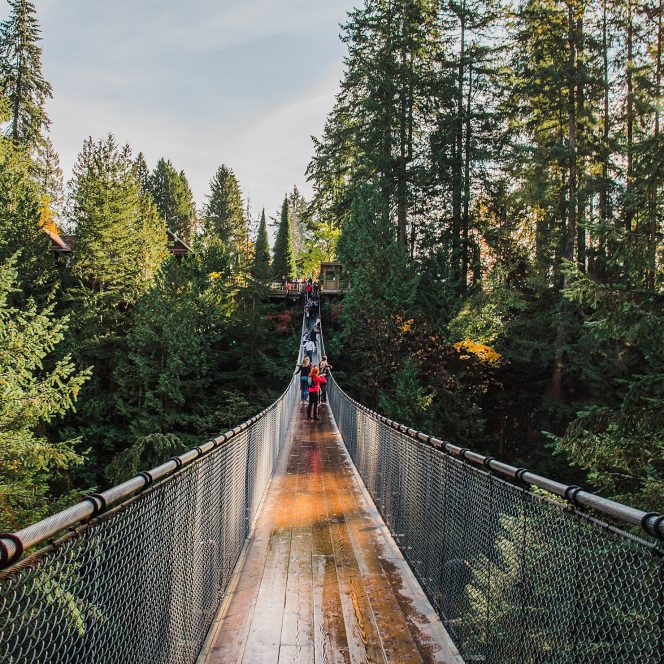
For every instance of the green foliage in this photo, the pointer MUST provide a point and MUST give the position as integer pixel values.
(167, 369)
(173, 199)
(20, 234)
(120, 245)
(224, 214)
(48, 176)
(21, 75)
(146, 452)
(35, 389)
(261, 269)
(619, 439)
(508, 151)
(283, 263)
(319, 247)
(120, 239)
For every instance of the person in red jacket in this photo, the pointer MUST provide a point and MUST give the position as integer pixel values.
(315, 380)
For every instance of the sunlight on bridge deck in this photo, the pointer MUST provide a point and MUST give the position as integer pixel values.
(322, 580)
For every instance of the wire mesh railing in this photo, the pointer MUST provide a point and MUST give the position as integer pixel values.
(141, 570)
(517, 576)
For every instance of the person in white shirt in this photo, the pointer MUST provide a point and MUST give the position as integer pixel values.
(309, 349)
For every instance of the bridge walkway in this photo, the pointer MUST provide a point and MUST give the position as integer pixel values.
(322, 580)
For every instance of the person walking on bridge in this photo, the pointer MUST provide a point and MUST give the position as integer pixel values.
(324, 368)
(309, 349)
(315, 382)
(304, 370)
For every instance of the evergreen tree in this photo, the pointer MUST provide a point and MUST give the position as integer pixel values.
(261, 266)
(31, 396)
(373, 134)
(142, 172)
(166, 368)
(21, 75)
(48, 176)
(224, 213)
(120, 239)
(300, 219)
(20, 233)
(120, 246)
(173, 198)
(284, 254)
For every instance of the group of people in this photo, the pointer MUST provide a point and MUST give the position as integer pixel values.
(310, 341)
(309, 286)
(313, 378)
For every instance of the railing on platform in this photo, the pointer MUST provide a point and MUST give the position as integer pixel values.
(517, 576)
(140, 573)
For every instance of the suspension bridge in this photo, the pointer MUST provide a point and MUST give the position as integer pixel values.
(352, 539)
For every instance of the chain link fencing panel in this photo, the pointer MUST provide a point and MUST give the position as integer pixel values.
(142, 582)
(516, 577)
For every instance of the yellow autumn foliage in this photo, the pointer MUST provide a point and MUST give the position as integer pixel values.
(482, 352)
(46, 216)
(214, 275)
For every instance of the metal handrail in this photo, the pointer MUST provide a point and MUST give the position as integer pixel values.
(13, 545)
(652, 523)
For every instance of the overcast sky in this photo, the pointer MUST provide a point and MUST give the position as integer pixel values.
(200, 82)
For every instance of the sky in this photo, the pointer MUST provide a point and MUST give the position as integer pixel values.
(200, 82)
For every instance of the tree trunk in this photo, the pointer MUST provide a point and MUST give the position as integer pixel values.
(581, 152)
(466, 185)
(568, 252)
(17, 99)
(570, 236)
(651, 267)
(604, 212)
(457, 175)
(629, 204)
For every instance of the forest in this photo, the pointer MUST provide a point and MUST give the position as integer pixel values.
(490, 176)
(496, 170)
(120, 353)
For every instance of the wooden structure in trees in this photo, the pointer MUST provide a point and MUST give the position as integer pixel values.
(331, 278)
(65, 244)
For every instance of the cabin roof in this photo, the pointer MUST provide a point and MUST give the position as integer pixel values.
(65, 244)
(59, 242)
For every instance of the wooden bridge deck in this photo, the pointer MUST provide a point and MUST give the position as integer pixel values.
(322, 580)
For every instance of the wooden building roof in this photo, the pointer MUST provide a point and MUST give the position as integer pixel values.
(65, 244)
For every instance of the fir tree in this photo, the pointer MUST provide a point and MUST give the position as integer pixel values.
(300, 219)
(31, 396)
(20, 208)
(48, 176)
(21, 74)
(224, 213)
(120, 239)
(284, 254)
(261, 266)
(173, 198)
(142, 172)
(120, 246)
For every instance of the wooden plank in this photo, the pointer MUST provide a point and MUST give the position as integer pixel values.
(364, 643)
(298, 623)
(296, 655)
(265, 632)
(329, 627)
(410, 629)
